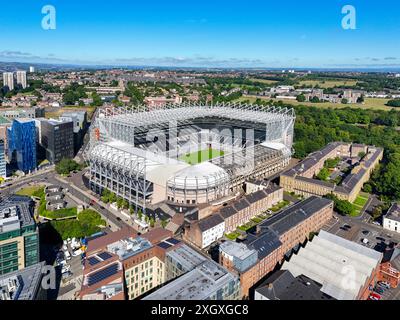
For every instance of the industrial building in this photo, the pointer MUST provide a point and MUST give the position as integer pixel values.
(277, 237)
(345, 269)
(146, 171)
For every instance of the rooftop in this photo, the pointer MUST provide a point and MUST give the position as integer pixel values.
(15, 213)
(282, 285)
(198, 284)
(330, 259)
(394, 212)
(21, 285)
(129, 247)
(292, 216)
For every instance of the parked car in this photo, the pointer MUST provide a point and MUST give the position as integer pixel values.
(385, 284)
(381, 239)
(372, 298)
(379, 290)
(365, 232)
(66, 275)
(65, 268)
(365, 241)
(347, 226)
(67, 255)
(376, 223)
(375, 295)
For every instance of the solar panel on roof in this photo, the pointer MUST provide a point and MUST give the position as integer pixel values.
(164, 245)
(104, 256)
(93, 261)
(103, 274)
(173, 241)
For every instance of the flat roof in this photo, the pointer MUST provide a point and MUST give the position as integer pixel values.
(27, 283)
(198, 284)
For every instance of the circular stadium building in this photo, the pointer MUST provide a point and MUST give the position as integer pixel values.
(186, 154)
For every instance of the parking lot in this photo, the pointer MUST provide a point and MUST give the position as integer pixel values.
(70, 265)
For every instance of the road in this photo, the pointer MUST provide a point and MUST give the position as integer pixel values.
(50, 177)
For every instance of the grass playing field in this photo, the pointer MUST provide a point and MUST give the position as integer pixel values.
(370, 103)
(201, 156)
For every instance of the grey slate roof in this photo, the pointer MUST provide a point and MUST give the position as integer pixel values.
(210, 222)
(292, 216)
(282, 285)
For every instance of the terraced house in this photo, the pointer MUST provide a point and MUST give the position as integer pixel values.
(362, 161)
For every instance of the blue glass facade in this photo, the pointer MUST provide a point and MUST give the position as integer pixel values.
(3, 172)
(22, 143)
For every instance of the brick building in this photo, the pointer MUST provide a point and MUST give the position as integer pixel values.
(260, 253)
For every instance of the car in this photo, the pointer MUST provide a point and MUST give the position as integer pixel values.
(347, 226)
(379, 290)
(119, 219)
(385, 284)
(66, 275)
(365, 241)
(380, 239)
(67, 255)
(344, 229)
(365, 232)
(65, 268)
(375, 295)
(372, 298)
(376, 223)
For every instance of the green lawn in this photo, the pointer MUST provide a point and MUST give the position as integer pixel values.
(370, 103)
(359, 204)
(30, 191)
(201, 156)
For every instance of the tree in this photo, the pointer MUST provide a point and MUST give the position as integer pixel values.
(393, 103)
(164, 223)
(140, 214)
(323, 174)
(301, 98)
(344, 101)
(65, 166)
(315, 100)
(367, 188)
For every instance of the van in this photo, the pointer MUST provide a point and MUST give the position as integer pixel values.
(67, 255)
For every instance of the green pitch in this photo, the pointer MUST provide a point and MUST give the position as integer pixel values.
(201, 156)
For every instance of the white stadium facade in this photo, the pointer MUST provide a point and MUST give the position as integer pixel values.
(142, 154)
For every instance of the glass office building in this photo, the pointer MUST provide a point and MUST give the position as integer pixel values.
(3, 171)
(19, 235)
(22, 144)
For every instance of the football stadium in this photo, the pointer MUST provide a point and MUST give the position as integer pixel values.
(186, 154)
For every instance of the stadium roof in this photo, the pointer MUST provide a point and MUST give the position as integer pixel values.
(144, 116)
(341, 266)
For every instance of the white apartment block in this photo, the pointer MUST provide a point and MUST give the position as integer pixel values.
(391, 221)
(21, 79)
(8, 80)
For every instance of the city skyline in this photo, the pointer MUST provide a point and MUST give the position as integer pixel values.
(223, 34)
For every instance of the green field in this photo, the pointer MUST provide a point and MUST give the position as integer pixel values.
(370, 103)
(201, 156)
(329, 83)
(30, 191)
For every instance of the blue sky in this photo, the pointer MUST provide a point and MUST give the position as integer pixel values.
(252, 33)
